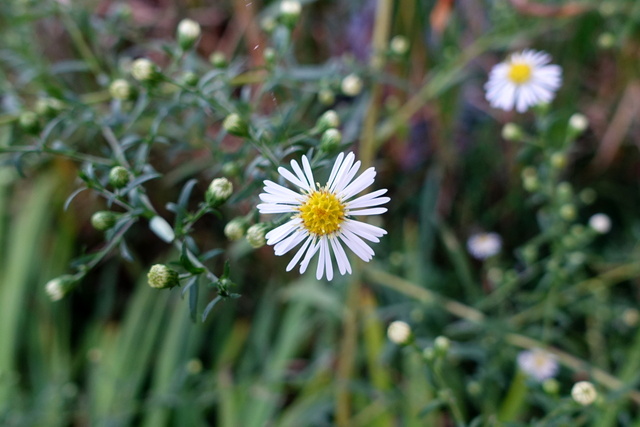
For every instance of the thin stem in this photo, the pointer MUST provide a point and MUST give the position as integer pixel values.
(68, 154)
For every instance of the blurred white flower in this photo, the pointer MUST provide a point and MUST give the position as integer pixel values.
(484, 245)
(584, 393)
(578, 122)
(601, 223)
(351, 85)
(538, 364)
(399, 332)
(523, 80)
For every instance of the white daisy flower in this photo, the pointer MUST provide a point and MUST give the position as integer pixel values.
(523, 80)
(538, 364)
(484, 245)
(321, 216)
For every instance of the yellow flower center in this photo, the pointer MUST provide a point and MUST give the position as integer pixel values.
(520, 73)
(322, 213)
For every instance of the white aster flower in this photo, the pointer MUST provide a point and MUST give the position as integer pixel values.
(321, 216)
(484, 245)
(601, 223)
(523, 80)
(538, 364)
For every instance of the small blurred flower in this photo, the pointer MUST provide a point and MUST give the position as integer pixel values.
(584, 393)
(57, 288)
(161, 277)
(512, 132)
(399, 45)
(329, 119)
(219, 192)
(104, 220)
(290, 12)
(399, 332)
(28, 121)
(351, 85)
(119, 177)
(235, 229)
(442, 345)
(256, 235)
(48, 106)
(631, 317)
(144, 70)
(330, 140)
(601, 223)
(578, 123)
(522, 81)
(321, 217)
(606, 41)
(121, 89)
(188, 32)
(326, 96)
(568, 212)
(235, 125)
(538, 364)
(484, 245)
(218, 59)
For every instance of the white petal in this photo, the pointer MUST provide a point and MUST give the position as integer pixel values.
(310, 253)
(299, 174)
(357, 245)
(368, 203)
(344, 168)
(359, 184)
(327, 258)
(321, 258)
(341, 257)
(347, 177)
(334, 169)
(307, 171)
(292, 178)
(279, 233)
(277, 199)
(289, 243)
(267, 208)
(299, 254)
(372, 211)
(360, 231)
(371, 229)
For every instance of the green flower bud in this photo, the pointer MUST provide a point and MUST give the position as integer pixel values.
(512, 132)
(235, 125)
(568, 212)
(584, 393)
(399, 332)
(235, 229)
(588, 196)
(231, 169)
(330, 140)
(104, 220)
(162, 277)
(442, 345)
(564, 191)
(578, 123)
(351, 85)
(48, 107)
(606, 41)
(551, 386)
(121, 89)
(57, 288)
(189, 78)
(530, 180)
(269, 55)
(399, 45)
(290, 12)
(329, 119)
(144, 70)
(255, 235)
(218, 59)
(218, 192)
(187, 33)
(268, 24)
(558, 160)
(28, 121)
(326, 96)
(119, 177)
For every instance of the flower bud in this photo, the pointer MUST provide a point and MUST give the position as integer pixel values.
(512, 132)
(558, 160)
(442, 345)
(48, 107)
(578, 123)
(218, 192)
(601, 223)
(235, 229)
(530, 180)
(121, 89)
(551, 386)
(330, 140)
(290, 12)
(326, 96)
(399, 332)
(269, 55)
(235, 125)
(231, 169)
(606, 41)
(218, 60)
(188, 32)
(256, 235)
(568, 212)
(584, 393)
(144, 70)
(588, 196)
(162, 277)
(399, 45)
(57, 288)
(268, 24)
(28, 121)
(119, 177)
(564, 191)
(351, 85)
(104, 220)
(329, 119)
